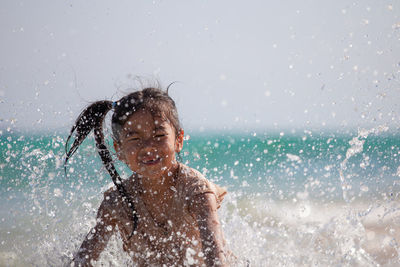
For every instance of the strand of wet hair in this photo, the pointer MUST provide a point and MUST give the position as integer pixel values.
(105, 156)
(92, 119)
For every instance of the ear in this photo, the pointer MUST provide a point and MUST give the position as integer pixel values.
(117, 147)
(179, 140)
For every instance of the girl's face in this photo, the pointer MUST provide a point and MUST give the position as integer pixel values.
(148, 145)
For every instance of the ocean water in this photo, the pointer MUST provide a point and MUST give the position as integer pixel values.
(296, 198)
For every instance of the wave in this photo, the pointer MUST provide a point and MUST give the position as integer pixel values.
(294, 199)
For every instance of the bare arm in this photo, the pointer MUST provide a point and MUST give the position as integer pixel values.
(204, 206)
(96, 240)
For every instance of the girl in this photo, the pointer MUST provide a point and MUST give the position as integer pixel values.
(165, 212)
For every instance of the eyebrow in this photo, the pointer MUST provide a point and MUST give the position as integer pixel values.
(160, 127)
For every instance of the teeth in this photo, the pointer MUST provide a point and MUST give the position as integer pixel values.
(150, 161)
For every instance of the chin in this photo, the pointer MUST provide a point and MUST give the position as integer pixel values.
(156, 173)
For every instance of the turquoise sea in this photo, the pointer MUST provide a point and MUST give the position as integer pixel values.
(297, 198)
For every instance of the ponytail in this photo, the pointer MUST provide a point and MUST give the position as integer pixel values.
(92, 119)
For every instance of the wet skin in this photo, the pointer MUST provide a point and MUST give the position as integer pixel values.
(148, 145)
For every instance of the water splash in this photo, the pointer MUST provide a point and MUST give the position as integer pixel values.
(282, 219)
(356, 147)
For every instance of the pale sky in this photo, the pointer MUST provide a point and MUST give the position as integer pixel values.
(240, 64)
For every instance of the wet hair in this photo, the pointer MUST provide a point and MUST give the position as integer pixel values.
(154, 100)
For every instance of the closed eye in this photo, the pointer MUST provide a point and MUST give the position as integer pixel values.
(159, 136)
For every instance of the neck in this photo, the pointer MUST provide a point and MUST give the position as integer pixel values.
(157, 186)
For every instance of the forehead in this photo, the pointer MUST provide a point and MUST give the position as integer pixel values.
(144, 120)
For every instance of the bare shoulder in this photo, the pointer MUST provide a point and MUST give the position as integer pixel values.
(111, 206)
(189, 175)
(111, 196)
(195, 184)
(204, 203)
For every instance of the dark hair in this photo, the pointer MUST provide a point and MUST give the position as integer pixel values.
(154, 100)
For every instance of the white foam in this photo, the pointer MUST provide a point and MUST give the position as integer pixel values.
(275, 233)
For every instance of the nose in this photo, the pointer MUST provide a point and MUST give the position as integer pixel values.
(148, 146)
(148, 142)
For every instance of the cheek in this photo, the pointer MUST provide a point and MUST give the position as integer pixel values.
(130, 151)
(163, 144)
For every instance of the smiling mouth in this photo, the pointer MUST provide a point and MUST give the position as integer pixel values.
(151, 161)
